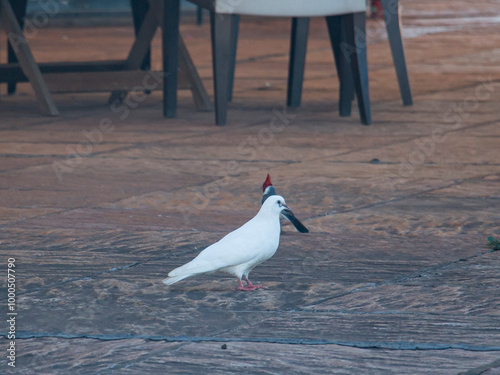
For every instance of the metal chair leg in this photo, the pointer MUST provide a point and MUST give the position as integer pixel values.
(391, 16)
(341, 53)
(356, 39)
(298, 47)
(234, 44)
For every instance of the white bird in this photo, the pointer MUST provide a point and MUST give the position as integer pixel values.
(241, 250)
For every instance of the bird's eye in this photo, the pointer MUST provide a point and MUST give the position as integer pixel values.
(279, 203)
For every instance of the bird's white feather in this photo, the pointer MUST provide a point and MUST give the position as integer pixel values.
(174, 279)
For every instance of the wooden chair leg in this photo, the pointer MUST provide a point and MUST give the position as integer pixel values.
(356, 40)
(235, 25)
(391, 15)
(26, 60)
(200, 97)
(298, 48)
(170, 47)
(221, 25)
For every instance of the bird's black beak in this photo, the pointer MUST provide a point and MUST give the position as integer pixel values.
(287, 212)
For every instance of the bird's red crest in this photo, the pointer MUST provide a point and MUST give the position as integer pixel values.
(267, 182)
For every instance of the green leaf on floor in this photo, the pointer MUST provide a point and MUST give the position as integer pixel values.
(493, 243)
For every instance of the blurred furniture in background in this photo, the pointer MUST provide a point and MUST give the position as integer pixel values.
(18, 50)
(118, 76)
(300, 28)
(199, 15)
(346, 25)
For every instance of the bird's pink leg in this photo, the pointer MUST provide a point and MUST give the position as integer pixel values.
(250, 285)
(244, 288)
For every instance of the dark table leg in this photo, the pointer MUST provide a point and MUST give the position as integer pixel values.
(19, 8)
(170, 40)
(26, 60)
(199, 16)
(139, 10)
(222, 52)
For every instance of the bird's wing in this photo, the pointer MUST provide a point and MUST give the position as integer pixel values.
(238, 247)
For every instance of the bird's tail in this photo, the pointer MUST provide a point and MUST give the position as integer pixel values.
(182, 272)
(173, 279)
(193, 268)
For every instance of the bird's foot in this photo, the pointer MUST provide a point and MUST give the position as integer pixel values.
(260, 287)
(250, 285)
(245, 288)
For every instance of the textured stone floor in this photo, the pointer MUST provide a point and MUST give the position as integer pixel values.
(395, 276)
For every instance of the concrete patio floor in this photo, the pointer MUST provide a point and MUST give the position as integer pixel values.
(395, 276)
